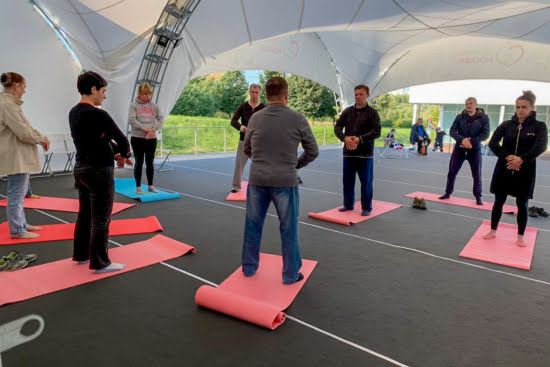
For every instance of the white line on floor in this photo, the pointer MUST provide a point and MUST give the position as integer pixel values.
(333, 336)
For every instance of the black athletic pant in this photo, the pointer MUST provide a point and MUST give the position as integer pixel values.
(96, 192)
(522, 205)
(144, 147)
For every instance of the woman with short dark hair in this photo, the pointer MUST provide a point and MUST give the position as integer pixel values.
(93, 131)
(18, 150)
(523, 140)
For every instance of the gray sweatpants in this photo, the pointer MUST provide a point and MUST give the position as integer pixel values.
(240, 162)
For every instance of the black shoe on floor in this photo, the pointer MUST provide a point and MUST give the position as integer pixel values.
(444, 197)
(234, 191)
(533, 212)
(300, 277)
(416, 203)
(478, 201)
(344, 209)
(422, 204)
(365, 213)
(541, 212)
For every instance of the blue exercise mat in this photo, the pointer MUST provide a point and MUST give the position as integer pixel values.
(127, 187)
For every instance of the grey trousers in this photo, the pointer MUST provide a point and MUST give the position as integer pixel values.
(240, 162)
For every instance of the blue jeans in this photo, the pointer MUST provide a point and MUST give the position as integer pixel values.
(364, 168)
(286, 203)
(473, 156)
(17, 188)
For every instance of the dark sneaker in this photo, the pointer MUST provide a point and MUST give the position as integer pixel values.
(416, 203)
(478, 201)
(300, 277)
(344, 209)
(11, 265)
(234, 191)
(444, 197)
(533, 212)
(16, 255)
(542, 212)
(365, 213)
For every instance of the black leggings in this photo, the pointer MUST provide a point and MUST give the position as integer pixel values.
(141, 147)
(522, 205)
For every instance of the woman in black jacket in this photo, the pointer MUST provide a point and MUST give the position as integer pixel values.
(523, 140)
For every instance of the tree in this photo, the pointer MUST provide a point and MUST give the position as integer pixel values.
(197, 98)
(310, 98)
(231, 90)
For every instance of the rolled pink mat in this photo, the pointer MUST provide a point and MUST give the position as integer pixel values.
(241, 307)
(259, 299)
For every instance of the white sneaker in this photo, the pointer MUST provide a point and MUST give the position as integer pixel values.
(139, 191)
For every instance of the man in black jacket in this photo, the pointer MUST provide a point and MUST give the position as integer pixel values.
(469, 129)
(358, 127)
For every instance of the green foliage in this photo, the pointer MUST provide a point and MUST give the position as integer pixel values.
(309, 97)
(197, 99)
(231, 90)
(396, 111)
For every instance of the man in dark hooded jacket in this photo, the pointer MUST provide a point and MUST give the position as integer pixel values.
(469, 129)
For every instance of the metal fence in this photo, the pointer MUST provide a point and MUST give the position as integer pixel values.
(216, 139)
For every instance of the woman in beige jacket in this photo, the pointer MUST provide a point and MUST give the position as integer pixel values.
(19, 153)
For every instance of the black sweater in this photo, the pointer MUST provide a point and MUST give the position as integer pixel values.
(92, 130)
(244, 112)
(363, 123)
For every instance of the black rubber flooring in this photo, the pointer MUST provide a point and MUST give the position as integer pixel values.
(391, 291)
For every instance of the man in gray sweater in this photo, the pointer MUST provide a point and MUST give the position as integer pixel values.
(271, 142)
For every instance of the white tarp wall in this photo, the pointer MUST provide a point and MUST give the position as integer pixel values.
(384, 44)
(31, 48)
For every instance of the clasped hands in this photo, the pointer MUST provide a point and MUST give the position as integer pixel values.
(351, 142)
(466, 143)
(513, 162)
(150, 133)
(121, 161)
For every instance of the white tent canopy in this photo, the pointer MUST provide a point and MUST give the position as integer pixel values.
(386, 45)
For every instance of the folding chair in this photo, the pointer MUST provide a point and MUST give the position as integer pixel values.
(62, 144)
(163, 155)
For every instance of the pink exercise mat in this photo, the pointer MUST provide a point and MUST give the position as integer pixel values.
(61, 204)
(38, 280)
(502, 249)
(354, 216)
(259, 299)
(65, 231)
(238, 196)
(468, 203)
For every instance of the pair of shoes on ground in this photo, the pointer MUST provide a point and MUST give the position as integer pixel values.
(139, 190)
(419, 203)
(16, 260)
(537, 212)
(364, 212)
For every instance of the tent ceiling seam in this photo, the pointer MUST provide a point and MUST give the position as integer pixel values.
(195, 44)
(246, 23)
(101, 9)
(332, 63)
(415, 18)
(301, 15)
(355, 15)
(401, 21)
(89, 30)
(388, 69)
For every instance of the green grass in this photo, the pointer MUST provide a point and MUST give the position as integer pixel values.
(179, 134)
